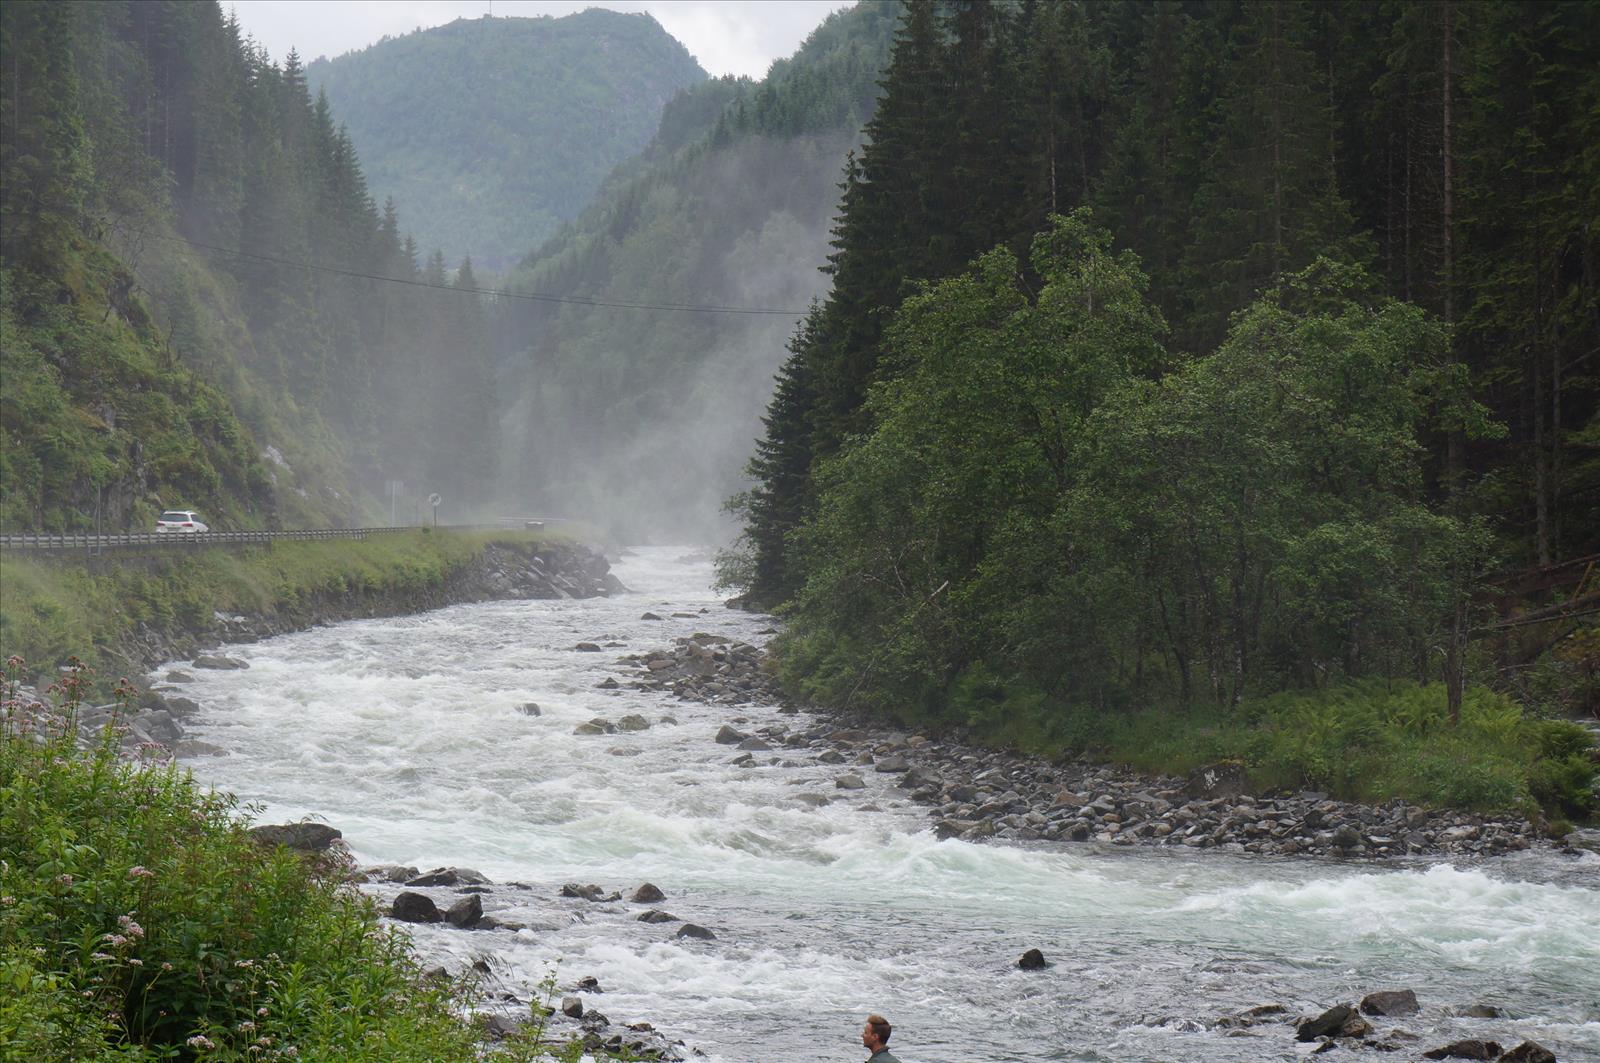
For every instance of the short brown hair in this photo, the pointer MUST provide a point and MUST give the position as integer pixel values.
(880, 1028)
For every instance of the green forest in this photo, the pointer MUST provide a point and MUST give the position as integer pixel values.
(193, 309)
(490, 133)
(1182, 354)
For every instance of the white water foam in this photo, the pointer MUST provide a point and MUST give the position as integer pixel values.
(406, 734)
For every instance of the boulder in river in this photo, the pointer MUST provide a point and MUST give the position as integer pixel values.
(217, 662)
(695, 931)
(849, 782)
(1528, 1052)
(572, 1007)
(730, 736)
(656, 915)
(651, 616)
(591, 892)
(1468, 1049)
(451, 876)
(1391, 1002)
(892, 764)
(633, 722)
(304, 837)
(754, 745)
(647, 894)
(415, 908)
(389, 873)
(587, 647)
(529, 708)
(1479, 1011)
(1328, 1024)
(589, 729)
(1032, 960)
(466, 912)
(589, 984)
(608, 683)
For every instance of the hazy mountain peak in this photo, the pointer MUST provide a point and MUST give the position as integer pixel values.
(489, 133)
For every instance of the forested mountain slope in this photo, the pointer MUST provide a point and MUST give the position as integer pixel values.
(644, 417)
(188, 314)
(491, 132)
(1185, 353)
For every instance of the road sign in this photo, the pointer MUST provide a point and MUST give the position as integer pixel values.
(434, 500)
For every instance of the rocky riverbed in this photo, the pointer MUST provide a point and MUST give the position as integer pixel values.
(975, 793)
(516, 740)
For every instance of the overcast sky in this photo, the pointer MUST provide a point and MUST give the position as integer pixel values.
(726, 36)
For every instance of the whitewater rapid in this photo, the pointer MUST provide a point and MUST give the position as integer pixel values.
(406, 734)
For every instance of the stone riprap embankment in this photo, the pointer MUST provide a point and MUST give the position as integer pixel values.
(152, 725)
(500, 571)
(976, 793)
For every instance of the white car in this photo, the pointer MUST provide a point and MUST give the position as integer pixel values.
(180, 520)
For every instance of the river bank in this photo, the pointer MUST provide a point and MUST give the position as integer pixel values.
(976, 793)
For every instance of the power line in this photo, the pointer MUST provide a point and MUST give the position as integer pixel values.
(538, 297)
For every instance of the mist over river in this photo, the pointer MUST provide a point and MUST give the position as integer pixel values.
(405, 734)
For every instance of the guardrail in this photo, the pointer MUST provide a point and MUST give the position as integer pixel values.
(97, 543)
(103, 542)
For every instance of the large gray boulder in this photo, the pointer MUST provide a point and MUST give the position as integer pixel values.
(466, 912)
(303, 837)
(415, 908)
(1391, 1002)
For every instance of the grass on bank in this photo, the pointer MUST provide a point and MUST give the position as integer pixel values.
(1368, 740)
(54, 609)
(139, 921)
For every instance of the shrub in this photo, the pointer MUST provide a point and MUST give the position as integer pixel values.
(138, 920)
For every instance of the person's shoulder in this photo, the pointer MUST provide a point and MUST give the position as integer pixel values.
(883, 1057)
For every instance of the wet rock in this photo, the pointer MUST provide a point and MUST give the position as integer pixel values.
(193, 747)
(1328, 1024)
(1391, 1002)
(389, 873)
(695, 931)
(1347, 837)
(1468, 1049)
(466, 912)
(589, 984)
(647, 894)
(529, 708)
(633, 722)
(590, 729)
(656, 915)
(182, 706)
(729, 736)
(591, 892)
(890, 765)
(830, 756)
(651, 616)
(1528, 1052)
(415, 908)
(572, 1007)
(814, 800)
(587, 647)
(497, 1028)
(754, 745)
(176, 676)
(303, 837)
(608, 683)
(451, 876)
(850, 782)
(1479, 1011)
(1032, 960)
(219, 663)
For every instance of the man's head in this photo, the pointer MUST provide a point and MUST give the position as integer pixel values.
(875, 1036)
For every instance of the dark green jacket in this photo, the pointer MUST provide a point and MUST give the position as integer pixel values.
(882, 1056)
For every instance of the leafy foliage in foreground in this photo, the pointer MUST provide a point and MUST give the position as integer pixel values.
(138, 921)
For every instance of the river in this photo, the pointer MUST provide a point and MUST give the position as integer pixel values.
(405, 733)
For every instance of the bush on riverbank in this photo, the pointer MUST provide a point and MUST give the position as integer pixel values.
(53, 609)
(139, 921)
(1368, 740)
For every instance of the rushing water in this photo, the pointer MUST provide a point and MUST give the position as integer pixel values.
(405, 734)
